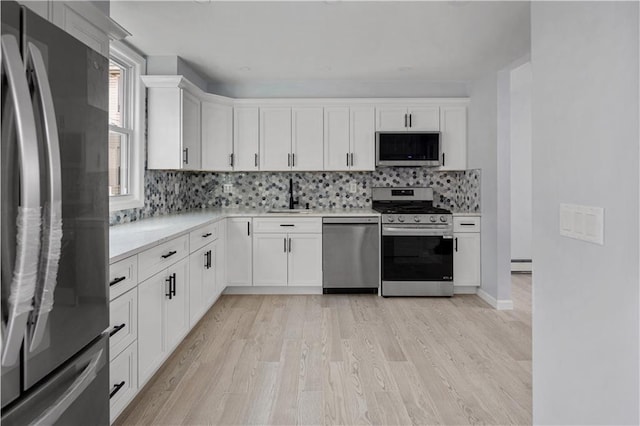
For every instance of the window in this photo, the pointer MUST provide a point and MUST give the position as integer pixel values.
(126, 128)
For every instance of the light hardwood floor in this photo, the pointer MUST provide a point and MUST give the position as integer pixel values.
(348, 360)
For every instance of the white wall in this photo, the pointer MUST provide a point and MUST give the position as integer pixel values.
(520, 146)
(488, 139)
(336, 88)
(585, 151)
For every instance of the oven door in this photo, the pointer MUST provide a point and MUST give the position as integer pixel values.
(418, 255)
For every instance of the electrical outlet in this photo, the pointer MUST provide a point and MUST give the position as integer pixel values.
(176, 188)
(227, 187)
(353, 187)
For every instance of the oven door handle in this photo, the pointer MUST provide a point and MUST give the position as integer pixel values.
(414, 231)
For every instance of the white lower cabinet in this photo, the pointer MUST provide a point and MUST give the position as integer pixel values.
(163, 320)
(239, 263)
(466, 252)
(123, 380)
(290, 258)
(305, 260)
(270, 259)
(202, 288)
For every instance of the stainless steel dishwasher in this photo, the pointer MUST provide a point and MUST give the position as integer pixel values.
(350, 254)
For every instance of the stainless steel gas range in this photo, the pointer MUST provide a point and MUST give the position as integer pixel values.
(417, 243)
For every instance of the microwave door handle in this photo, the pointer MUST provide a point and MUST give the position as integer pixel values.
(52, 220)
(23, 283)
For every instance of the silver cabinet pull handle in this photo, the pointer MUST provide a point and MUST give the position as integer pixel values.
(231, 159)
(352, 159)
(293, 159)
(347, 159)
(289, 160)
(285, 245)
(185, 154)
(23, 284)
(256, 159)
(289, 245)
(52, 222)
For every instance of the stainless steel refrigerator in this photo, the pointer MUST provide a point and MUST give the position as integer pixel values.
(54, 233)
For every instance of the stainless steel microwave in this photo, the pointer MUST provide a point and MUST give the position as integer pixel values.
(410, 149)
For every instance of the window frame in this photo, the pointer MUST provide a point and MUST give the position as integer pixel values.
(134, 109)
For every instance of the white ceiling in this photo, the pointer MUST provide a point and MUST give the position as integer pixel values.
(246, 42)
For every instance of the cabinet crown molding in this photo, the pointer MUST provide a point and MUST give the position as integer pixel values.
(180, 81)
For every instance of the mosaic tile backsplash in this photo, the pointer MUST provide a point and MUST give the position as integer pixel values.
(458, 191)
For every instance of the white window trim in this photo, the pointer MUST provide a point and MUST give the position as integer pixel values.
(135, 198)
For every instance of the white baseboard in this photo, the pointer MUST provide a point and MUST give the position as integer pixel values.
(500, 305)
(273, 290)
(465, 289)
(521, 266)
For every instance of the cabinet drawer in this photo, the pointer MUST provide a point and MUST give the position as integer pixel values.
(123, 276)
(156, 259)
(123, 322)
(203, 236)
(123, 380)
(307, 225)
(466, 224)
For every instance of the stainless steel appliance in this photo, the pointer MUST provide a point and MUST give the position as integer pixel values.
(350, 255)
(417, 243)
(54, 226)
(408, 149)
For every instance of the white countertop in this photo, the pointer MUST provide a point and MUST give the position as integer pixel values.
(467, 214)
(131, 238)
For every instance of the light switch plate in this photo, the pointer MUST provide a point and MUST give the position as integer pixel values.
(584, 223)
(176, 188)
(227, 187)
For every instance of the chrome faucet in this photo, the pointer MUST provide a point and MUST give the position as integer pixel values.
(292, 201)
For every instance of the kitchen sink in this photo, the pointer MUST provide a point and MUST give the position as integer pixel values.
(288, 211)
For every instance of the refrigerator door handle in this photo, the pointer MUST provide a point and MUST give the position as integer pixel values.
(88, 375)
(23, 282)
(52, 220)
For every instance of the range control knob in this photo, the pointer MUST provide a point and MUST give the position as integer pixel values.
(416, 219)
(443, 219)
(390, 219)
(400, 218)
(432, 218)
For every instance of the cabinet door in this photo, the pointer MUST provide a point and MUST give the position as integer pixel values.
(198, 262)
(363, 139)
(177, 306)
(191, 132)
(245, 139)
(305, 259)
(275, 139)
(453, 128)
(123, 380)
(270, 259)
(151, 294)
(220, 261)
(466, 259)
(424, 118)
(392, 119)
(217, 136)
(307, 132)
(209, 285)
(164, 121)
(239, 264)
(336, 138)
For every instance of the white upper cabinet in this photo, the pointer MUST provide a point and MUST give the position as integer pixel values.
(407, 118)
(217, 136)
(362, 156)
(453, 137)
(275, 139)
(336, 138)
(174, 133)
(424, 119)
(307, 138)
(246, 133)
(349, 138)
(191, 132)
